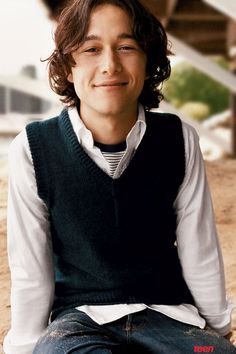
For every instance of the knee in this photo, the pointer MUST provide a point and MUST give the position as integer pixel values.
(51, 341)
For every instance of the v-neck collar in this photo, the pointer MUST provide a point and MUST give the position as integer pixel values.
(79, 153)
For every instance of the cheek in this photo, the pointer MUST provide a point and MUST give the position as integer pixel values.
(140, 72)
(77, 80)
(144, 68)
(81, 76)
(139, 67)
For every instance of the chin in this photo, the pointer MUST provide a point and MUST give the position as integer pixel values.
(114, 108)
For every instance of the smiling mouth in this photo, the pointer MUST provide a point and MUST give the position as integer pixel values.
(112, 85)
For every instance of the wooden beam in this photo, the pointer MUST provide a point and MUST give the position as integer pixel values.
(231, 36)
(211, 48)
(231, 43)
(198, 26)
(224, 6)
(162, 9)
(157, 8)
(200, 37)
(196, 7)
(203, 64)
(179, 16)
(170, 8)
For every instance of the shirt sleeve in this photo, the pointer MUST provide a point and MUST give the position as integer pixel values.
(29, 253)
(197, 241)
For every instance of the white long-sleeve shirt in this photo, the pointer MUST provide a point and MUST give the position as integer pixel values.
(30, 251)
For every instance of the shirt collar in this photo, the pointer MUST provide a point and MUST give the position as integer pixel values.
(85, 137)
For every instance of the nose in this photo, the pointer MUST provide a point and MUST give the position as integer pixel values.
(110, 62)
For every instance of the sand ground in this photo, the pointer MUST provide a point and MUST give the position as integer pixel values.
(222, 180)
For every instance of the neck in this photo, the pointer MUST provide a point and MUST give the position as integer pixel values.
(110, 129)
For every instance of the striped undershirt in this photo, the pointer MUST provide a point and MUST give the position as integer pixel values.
(112, 153)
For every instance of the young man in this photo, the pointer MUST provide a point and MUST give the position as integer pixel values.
(112, 241)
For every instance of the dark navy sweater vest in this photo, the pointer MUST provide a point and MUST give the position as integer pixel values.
(113, 239)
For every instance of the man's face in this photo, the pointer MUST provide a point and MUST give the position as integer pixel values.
(110, 66)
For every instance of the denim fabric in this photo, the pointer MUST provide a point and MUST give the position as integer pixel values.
(139, 333)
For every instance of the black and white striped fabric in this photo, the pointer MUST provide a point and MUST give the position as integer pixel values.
(113, 154)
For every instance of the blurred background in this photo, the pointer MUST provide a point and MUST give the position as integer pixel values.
(26, 36)
(201, 90)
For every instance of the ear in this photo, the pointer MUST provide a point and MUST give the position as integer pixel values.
(70, 78)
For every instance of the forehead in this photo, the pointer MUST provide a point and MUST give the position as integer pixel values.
(109, 18)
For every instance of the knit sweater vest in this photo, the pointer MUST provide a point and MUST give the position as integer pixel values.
(113, 239)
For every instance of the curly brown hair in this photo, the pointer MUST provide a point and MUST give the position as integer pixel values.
(72, 29)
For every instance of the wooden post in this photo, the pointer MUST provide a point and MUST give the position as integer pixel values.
(231, 44)
(233, 121)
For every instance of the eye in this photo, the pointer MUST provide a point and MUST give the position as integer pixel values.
(126, 48)
(91, 50)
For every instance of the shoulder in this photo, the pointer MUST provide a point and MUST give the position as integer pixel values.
(193, 154)
(191, 140)
(20, 161)
(19, 148)
(189, 132)
(161, 117)
(172, 124)
(19, 151)
(43, 132)
(45, 123)
(166, 126)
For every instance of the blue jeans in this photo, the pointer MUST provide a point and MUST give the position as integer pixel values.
(139, 333)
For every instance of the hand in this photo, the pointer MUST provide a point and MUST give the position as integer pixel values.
(231, 338)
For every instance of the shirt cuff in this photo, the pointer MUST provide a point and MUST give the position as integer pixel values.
(221, 323)
(9, 348)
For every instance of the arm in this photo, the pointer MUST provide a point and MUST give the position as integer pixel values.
(29, 253)
(197, 240)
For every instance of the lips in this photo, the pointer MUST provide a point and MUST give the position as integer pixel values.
(110, 84)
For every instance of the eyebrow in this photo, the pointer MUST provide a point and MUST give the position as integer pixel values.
(93, 37)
